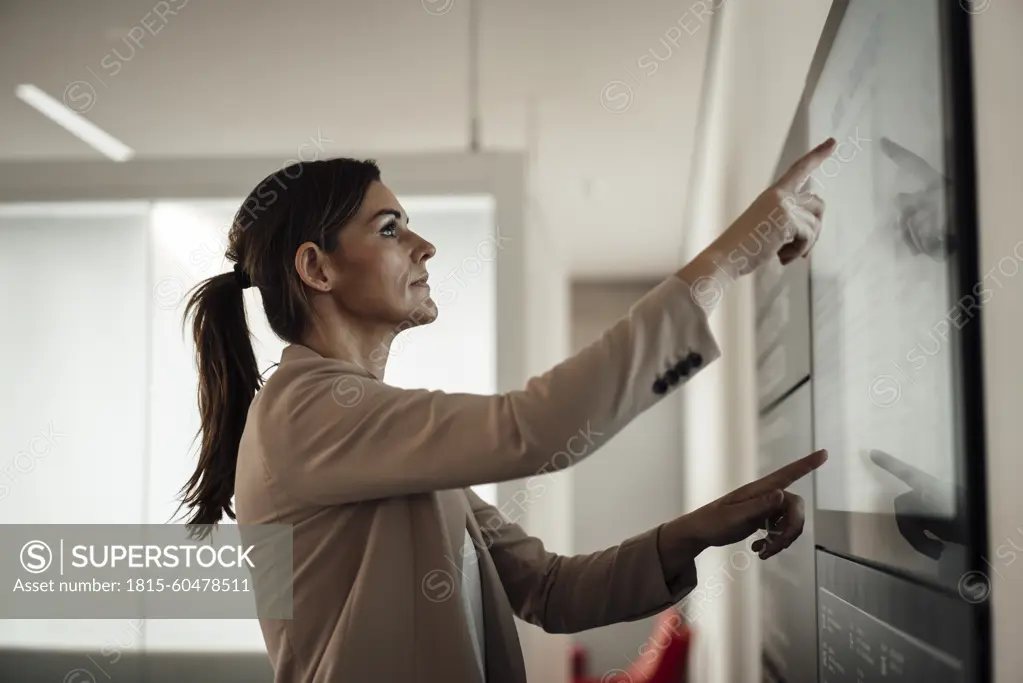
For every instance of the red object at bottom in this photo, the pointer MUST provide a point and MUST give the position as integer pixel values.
(664, 658)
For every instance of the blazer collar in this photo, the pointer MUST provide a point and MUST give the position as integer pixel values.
(298, 352)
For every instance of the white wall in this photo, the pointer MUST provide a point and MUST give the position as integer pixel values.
(998, 92)
(760, 54)
(631, 485)
(544, 335)
(73, 356)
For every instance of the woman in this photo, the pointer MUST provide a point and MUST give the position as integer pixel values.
(401, 573)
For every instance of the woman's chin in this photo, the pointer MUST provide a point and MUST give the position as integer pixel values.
(423, 311)
(432, 310)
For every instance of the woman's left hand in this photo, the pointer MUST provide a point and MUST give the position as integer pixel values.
(762, 504)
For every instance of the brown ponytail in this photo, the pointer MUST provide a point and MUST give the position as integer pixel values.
(304, 202)
(228, 381)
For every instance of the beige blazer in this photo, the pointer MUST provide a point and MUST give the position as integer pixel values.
(374, 480)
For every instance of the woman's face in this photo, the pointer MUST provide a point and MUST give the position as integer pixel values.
(380, 265)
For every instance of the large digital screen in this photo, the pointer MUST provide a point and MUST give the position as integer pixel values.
(884, 310)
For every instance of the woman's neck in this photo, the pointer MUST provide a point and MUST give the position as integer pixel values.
(343, 337)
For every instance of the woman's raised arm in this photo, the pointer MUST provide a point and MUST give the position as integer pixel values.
(331, 434)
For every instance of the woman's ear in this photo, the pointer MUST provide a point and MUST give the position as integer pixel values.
(313, 267)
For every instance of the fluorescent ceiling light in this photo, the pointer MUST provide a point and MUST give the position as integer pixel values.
(74, 122)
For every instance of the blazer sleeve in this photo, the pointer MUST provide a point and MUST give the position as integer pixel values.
(568, 594)
(369, 440)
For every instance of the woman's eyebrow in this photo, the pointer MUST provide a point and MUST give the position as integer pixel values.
(389, 212)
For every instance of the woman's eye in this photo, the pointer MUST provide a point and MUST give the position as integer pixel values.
(389, 230)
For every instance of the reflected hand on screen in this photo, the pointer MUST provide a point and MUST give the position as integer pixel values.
(921, 215)
(923, 514)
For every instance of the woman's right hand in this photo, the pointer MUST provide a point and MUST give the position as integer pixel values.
(784, 221)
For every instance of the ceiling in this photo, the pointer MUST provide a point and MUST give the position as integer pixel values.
(602, 95)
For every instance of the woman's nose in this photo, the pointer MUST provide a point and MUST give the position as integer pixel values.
(424, 251)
